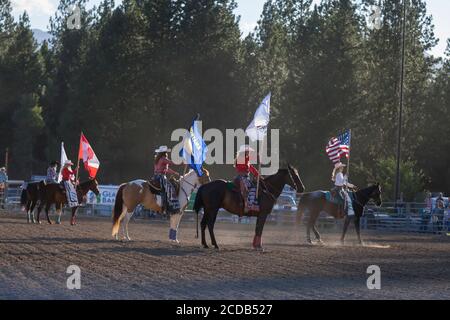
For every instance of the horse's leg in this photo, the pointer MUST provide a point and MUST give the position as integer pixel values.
(344, 231)
(47, 207)
(203, 224)
(174, 223)
(317, 234)
(72, 219)
(211, 223)
(358, 229)
(58, 209)
(127, 218)
(27, 208)
(41, 205)
(33, 206)
(257, 240)
(311, 222)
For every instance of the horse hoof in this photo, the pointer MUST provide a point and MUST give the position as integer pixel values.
(258, 249)
(320, 243)
(308, 241)
(216, 247)
(205, 246)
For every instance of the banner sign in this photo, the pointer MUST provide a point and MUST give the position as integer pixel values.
(107, 196)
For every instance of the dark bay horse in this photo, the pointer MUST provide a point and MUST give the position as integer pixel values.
(217, 194)
(30, 196)
(53, 194)
(316, 202)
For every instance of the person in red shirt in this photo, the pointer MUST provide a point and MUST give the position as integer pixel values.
(161, 169)
(244, 168)
(67, 173)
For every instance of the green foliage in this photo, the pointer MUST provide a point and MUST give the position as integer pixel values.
(412, 179)
(134, 73)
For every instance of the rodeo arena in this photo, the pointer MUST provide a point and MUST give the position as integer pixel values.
(198, 238)
(163, 150)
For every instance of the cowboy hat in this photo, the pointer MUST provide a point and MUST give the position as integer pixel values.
(339, 165)
(2, 169)
(68, 163)
(245, 148)
(162, 149)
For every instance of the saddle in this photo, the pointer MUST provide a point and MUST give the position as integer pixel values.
(155, 186)
(333, 197)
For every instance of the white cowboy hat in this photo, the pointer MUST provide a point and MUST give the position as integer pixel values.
(2, 169)
(339, 165)
(245, 148)
(162, 149)
(68, 163)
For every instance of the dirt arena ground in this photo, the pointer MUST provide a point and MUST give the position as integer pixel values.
(34, 260)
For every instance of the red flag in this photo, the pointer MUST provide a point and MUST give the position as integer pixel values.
(90, 160)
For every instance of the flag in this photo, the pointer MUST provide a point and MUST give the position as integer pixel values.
(257, 130)
(337, 147)
(63, 160)
(90, 160)
(194, 148)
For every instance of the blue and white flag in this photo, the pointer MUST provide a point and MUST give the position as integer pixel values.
(194, 149)
(257, 130)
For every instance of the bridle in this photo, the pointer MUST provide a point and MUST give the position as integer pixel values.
(193, 185)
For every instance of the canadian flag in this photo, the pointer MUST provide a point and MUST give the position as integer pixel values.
(90, 160)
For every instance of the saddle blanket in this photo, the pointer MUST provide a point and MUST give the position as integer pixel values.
(339, 201)
(71, 193)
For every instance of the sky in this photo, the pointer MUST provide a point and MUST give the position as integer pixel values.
(40, 11)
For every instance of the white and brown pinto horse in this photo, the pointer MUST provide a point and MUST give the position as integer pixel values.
(138, 192)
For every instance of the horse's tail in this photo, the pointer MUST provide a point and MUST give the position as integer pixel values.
(24, 198)
(198, 204)
(117, 212)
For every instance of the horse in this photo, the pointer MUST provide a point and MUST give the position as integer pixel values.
(29, 198)
(54, 194)
(317, 202)
(137, 192)
(217, 194)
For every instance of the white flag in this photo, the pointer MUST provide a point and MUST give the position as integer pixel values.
(257, 130)
(63, 159)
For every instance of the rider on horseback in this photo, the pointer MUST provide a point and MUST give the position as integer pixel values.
(69, 183)
(52, 174)
(68, 174)
(243, 180)
(162, 168)
(341, 185)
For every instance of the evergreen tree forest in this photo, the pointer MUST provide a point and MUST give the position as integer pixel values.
(133, 73)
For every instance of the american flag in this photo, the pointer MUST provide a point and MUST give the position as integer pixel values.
(339, 146)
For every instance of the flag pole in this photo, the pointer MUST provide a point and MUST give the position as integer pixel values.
(78, 161)
(349, 150)
(259, 170)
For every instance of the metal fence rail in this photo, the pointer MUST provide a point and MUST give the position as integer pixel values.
(410, 217)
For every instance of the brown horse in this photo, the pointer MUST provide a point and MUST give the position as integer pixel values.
(30, 196)
(316, 202)
(53, 194)
(133, 193)
(217, 194)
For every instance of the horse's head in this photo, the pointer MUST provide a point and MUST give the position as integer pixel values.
(205, 178)
(376, 194)
(294, 180)
(93, 186)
